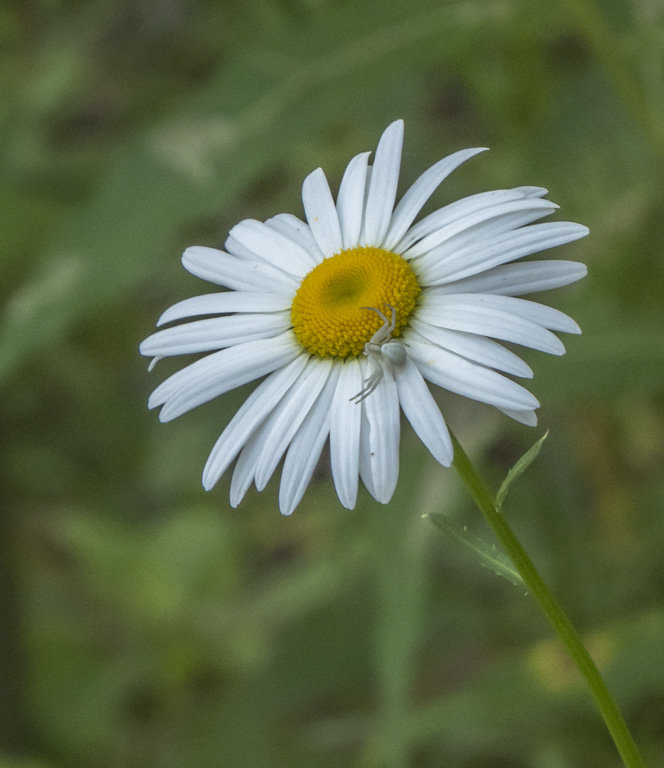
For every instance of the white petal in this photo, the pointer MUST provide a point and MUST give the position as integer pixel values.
(247, 463)
(497, 324)
(227, 301)
(273, 247)
(529, 418)
(382, 410)
(241, 275)
(477, 226)
(215, 333)
(345, 423)
(305, 448)
(422, 412)
(509, 246)
(222, 371)
(459, 209)
(253, 455)
(452, 372)
(350, 200)
(473, 347)
(383, 185)
(235, 248)
(321, 213)
(251, 414)
(520, 279)
(413, 200)
(545, 316)
(288, 416)
(245, 467)
(533, 191)
(298, 232)
(365, 464)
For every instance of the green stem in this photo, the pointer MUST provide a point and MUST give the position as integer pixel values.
(552, 610)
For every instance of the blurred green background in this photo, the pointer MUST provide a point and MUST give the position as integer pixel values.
(145, 624)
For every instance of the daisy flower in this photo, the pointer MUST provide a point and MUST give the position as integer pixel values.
(348, 317)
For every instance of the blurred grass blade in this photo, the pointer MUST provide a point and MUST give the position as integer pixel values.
(486, 553)
(519, 468)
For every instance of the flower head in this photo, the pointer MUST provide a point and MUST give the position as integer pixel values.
(348, 316)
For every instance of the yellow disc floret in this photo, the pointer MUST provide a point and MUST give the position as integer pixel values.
(327, 315)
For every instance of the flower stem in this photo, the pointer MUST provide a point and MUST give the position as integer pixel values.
(615, 722)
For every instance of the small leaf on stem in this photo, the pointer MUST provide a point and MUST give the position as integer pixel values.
(487, 553)
(519, 468)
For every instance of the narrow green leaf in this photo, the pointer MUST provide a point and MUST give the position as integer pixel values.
(488, 555)
(519, 468)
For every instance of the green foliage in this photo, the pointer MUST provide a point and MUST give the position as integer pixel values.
(145, 624)
(519, 468)
(487, 553)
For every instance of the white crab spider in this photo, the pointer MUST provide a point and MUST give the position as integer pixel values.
(379, 349)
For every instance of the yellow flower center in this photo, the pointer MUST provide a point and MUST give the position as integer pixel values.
(326, 312)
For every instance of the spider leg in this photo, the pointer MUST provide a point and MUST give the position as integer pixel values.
(373, 350)
(383, 333)
(371, 385)
(379, 313)
(370, 382)
(393, 319)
